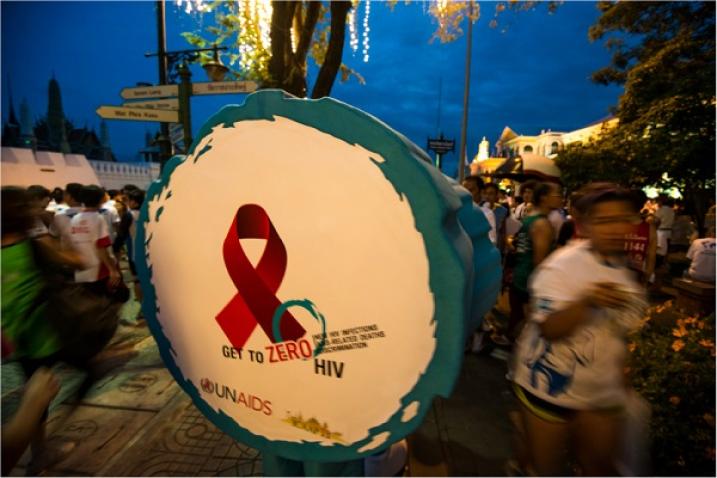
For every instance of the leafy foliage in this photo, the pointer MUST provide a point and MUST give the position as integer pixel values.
(276, 60)
(672, 365)
(296, 31)
(664, 55)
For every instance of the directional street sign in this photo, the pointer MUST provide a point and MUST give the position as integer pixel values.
(166, 104)
(441, 146)
(157, 91)
(137, 114)
(222, 87)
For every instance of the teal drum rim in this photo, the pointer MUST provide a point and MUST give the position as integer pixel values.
(435, 207)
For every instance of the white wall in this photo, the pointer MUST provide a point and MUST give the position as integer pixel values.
(22, 167)
(116, 175)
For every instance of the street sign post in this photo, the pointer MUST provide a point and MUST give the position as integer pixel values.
(137, 114)
(223, 87)
(156, 91)
(165, 104)
(176, 136)
(441, 146)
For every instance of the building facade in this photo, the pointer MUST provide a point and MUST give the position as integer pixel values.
(546, 144)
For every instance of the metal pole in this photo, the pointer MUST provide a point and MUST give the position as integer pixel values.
(438, 161)
(466, 94)
(185, 116)
(165, 146)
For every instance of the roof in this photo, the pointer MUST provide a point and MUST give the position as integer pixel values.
(507, 134)
(600, 121)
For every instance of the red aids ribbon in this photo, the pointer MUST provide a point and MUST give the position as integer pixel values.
(255, 300)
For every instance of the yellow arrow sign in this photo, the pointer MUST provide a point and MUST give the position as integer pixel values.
(222, 87)
(137, 114)
(156, 91)
(166, 104)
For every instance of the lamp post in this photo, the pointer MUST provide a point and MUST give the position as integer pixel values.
(177, 68)
(165, 145)
(466, 95)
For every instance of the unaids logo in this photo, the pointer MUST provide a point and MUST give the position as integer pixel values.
(207, 385)
(255, 301)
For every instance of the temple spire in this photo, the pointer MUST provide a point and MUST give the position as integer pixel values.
(56, 118)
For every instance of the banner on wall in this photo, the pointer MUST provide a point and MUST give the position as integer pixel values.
(307, 278)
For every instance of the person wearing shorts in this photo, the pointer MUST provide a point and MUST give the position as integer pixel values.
(568, 367)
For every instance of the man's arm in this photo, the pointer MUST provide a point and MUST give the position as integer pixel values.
(52, 251)
(104, 256)
(562, 322)
(103, 244)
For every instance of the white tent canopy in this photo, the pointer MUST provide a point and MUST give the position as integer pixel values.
(536, 163)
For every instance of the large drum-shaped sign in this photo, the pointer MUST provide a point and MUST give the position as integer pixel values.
(307, 278)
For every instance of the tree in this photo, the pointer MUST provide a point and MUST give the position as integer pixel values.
(274, 41)
(664, 55)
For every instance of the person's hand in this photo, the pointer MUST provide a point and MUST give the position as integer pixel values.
(115, 277)
(607, 294)
(40, 390)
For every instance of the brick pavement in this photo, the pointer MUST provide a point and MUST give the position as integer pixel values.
(135, 421)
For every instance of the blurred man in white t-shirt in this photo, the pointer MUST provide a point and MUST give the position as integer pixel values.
(702, 254)
(665, 217)
(60, 228)
(91, 239)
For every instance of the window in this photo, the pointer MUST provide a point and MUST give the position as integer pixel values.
(554, 148)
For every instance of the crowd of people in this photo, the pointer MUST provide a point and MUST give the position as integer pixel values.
(577, 277)
(59, 245)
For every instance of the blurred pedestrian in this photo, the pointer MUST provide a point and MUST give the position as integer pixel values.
(475, 185)
(532, 244)
(27, 422)
(57, 202)
(136, 199)
(90, 236)
(568, 369)
(60, 228)
(109, 212)
(702, 257)
(665, 218)
(524, 209)
(39, 200)
(641, 245)
(683, 228)
(34, 341)
(491, 193)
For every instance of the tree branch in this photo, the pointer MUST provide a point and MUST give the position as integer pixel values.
(307, 31)
(278, 43)
(334, 52)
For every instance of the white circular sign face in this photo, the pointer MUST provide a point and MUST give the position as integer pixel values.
(290, 286)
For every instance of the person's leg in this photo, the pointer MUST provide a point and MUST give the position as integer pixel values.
(598, 441)
(517, 312)
(43, 456)
(546, 443)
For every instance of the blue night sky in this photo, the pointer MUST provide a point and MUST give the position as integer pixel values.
(530, 73)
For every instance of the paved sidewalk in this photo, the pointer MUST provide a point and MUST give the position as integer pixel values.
(135, 421)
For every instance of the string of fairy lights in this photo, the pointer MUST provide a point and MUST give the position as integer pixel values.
(255, 25)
